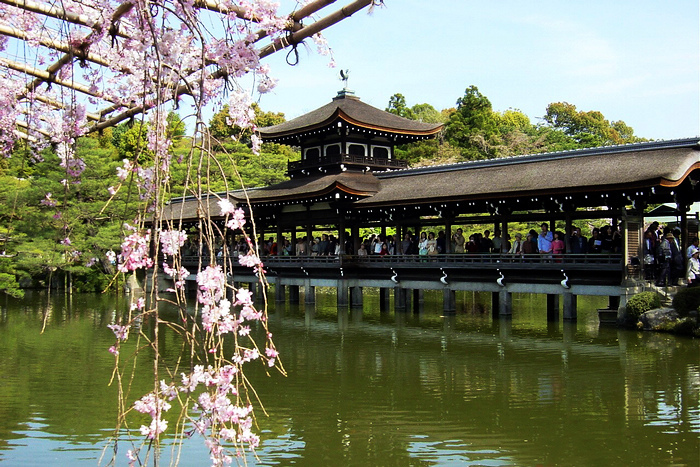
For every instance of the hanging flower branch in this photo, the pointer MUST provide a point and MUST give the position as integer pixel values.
(75, 67)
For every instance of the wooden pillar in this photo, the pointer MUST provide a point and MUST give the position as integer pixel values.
(309, 292)
(356, 240)
(495, 300)
(552, 307)
(448, 301)
(310, 236)
(400, 299)
(341, 235)
(505, 303)
(417, 299)
(570, 310)
(567, 232)
(384, 299)
(342, 287)
(356, 297)
(294, 294)
(280, 240)
(279, 290)
(448, 236)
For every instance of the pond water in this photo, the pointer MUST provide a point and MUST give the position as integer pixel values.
(365, 387)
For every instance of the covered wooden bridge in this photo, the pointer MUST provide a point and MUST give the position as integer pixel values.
(348, 179)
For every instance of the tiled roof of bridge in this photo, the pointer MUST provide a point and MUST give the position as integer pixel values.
(352, 110)
(642, 165)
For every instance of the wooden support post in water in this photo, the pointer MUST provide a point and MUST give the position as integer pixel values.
(279, 290)
(494, 305)
(552, 307)
(356, 297)
(417, 299)
(343, 299)
(400, 299)
(309, 292)
(294, 294)
(570, 311)
(448, 301)
(384, 299)
(505, 303)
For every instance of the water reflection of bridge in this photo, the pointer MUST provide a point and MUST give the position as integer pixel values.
(407, 276)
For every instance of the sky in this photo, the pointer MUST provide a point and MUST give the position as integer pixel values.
(636, 61)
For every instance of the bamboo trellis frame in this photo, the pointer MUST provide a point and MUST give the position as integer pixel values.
(72, 53)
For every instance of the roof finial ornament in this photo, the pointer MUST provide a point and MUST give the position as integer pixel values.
(344, 77)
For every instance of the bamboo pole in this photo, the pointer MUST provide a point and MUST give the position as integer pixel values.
(294, 38)
(48, 77)
(63, 15)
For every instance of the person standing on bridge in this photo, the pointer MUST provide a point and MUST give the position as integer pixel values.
(693, 270)
(458, 241)
(544, 241)
(664, 257)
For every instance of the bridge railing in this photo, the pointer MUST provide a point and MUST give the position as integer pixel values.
(485, 260)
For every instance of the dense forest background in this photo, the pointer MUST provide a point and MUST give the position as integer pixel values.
(57, 229)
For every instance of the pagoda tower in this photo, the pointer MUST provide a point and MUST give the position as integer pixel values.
(347, 135)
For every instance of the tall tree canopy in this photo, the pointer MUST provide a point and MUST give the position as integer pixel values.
(588, 129)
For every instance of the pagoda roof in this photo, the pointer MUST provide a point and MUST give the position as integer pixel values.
(352, 110)
(352, 183)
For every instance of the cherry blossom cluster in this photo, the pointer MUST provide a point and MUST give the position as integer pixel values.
(216, 410)
(179, 275)
(237, 220)
(154, 48)
(171, 241)
(154, 406)
(134, 253)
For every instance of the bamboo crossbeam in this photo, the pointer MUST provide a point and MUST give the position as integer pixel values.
(318, 26)
(60, 105)
(55, 45)
(297, 33)
(294, 38)
(23, 135)
(24, 125)
(123, 9)
(61, 14)
(45, 76)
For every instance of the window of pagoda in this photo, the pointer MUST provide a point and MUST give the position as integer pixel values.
(381, 152)
(312, 154)
(332, 149)
(356, 149)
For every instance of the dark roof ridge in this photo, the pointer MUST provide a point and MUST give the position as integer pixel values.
(545, 156)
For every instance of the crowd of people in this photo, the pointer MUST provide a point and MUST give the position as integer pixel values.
(664, 259)
(664, 262)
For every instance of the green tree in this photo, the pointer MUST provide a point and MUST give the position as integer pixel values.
(397, 106)
(426, 113)
(473, 127)
(588, 129)
(222, 131)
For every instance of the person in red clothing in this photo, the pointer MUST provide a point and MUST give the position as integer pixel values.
(558, 246)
